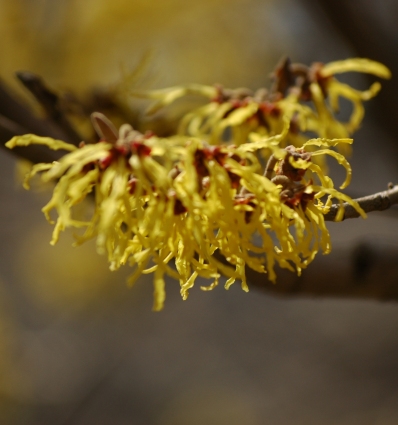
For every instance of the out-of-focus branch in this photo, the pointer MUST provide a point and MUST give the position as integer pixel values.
(368, 270)
(17, 119)
(16, 111)
(49, 100)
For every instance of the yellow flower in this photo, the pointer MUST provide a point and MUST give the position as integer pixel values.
(325, 85)
(210, 210)
(231, 115)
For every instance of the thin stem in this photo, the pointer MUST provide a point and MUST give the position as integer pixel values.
(377, 202)
(269, 168)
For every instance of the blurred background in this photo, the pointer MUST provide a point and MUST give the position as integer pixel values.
(77, 346)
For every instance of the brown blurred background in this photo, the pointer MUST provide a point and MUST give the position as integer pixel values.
(78, 346)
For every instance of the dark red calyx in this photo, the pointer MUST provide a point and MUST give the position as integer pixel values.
(140, 148)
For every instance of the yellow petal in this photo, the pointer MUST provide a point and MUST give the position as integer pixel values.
(358, 65)
(32, 139)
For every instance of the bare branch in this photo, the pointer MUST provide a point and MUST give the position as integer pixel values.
(49, 100)
(15, 110)
(17, 119)
(376, 202)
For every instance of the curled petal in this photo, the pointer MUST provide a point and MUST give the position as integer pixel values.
(358, 65)
(32, 139)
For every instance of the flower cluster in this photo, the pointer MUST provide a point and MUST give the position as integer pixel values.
(307, 96)
(158, 200)
(191, 205)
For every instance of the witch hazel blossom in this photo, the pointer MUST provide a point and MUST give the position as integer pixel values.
(308, 96)
(168, 206)
(200, 204)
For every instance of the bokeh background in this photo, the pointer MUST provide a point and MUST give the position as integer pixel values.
(77, 346)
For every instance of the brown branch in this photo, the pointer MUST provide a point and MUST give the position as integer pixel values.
(376, 202)
(17, 119)
(16, 111)
(50, 102)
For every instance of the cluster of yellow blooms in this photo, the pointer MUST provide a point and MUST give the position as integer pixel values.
(198, 203)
